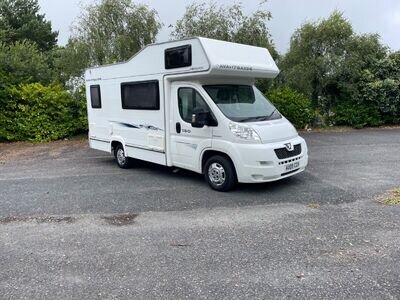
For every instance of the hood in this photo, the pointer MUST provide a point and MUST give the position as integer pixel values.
(274, 131)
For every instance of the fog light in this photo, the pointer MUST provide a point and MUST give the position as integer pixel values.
(266, 163)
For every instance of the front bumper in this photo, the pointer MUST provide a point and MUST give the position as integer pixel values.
(259, 163)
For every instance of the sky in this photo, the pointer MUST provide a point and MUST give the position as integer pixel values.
(367, 16)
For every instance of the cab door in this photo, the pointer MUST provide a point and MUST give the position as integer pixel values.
(187, 142)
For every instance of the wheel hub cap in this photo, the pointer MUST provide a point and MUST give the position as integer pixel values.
(121, 156)
(216, 173)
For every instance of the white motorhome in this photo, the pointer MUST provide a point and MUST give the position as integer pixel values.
(193, 104)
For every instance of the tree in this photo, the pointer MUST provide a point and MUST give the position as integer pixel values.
(110, 31)
(328, 61)
(71, 60)
(362, 55)
(22, 62)
(227, 23)
(20, 20)
(379, 88)
(316, 52)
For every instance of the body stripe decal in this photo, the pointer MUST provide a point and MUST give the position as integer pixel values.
(129, 125)
(99, 140)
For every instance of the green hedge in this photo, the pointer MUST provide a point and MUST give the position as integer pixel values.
(357, 115)
(293, 105)
(34, 112)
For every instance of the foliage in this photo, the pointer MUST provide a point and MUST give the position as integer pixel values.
(71, 60)
(357, 115)
(22, 62)
(293, 105)
(363, 54)
(351, 78)
(382, 87)
(227, 23)
(20, 20)
(315, 55)
(35, 112)
(109, 31)
(330, 74)
(375, 98)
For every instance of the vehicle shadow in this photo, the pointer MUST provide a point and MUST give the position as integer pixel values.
(303, 188)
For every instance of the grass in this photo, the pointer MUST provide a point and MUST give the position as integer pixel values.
(314, 205)
(392, 197)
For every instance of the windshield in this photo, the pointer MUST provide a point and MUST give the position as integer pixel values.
(242, 103)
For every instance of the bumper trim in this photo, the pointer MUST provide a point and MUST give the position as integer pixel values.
(288, 173)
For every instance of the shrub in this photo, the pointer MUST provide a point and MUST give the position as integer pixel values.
(293, 105)
(35, 112)
(385, 96)
(357, 115)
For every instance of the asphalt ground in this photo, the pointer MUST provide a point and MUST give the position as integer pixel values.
(75, 226)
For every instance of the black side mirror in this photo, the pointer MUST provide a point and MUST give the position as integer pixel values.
(201, 118)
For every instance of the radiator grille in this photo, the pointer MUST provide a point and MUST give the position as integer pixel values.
(284, 153)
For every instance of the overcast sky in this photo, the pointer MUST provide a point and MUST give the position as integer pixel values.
(380, 16)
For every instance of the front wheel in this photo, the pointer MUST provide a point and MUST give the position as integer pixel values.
(220, 173)
(122, 161)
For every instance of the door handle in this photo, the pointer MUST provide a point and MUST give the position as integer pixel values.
(178, 127)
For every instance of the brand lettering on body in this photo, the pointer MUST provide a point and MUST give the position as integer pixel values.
(236, 67)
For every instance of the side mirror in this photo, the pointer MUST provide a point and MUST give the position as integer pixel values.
(201, 118)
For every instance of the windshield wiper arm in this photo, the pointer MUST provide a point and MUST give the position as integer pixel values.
(259, 118)
(271, 114)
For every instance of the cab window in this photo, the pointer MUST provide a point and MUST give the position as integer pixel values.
(188, 101)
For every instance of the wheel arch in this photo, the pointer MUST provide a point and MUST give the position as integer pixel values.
(209, 153)
(117, 141)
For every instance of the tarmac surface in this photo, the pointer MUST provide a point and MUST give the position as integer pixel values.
(75, 226)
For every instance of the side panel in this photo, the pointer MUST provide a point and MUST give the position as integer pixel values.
(100, 144)
(142, 131)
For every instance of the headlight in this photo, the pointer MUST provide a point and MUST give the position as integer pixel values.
(244, 132)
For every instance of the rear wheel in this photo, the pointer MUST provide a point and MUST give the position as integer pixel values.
(220, 173)
(122, 161)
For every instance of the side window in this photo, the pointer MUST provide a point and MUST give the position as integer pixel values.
(95, 96)
(140, 95)
(189, 100)
(178, 57)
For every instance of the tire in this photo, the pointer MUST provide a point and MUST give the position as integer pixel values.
(122, 161)
(220, 173)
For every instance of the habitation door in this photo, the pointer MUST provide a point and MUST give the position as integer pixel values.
(187, 142)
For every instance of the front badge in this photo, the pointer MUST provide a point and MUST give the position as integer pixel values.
(289, 147)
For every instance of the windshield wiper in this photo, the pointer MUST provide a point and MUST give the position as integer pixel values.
(271, 114)
(259, 118)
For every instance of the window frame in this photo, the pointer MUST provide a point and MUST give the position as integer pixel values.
(96, 86)
(202, 97)
(189, 64)
(133, 83)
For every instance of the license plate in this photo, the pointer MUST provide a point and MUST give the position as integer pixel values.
(292, 166)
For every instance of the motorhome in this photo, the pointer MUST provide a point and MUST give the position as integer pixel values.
(193, 104)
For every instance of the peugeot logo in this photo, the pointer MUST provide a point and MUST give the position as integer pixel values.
(289, 147)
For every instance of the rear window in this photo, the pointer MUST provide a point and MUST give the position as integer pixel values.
(178, 57)
(140, 95)
(95, 96)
